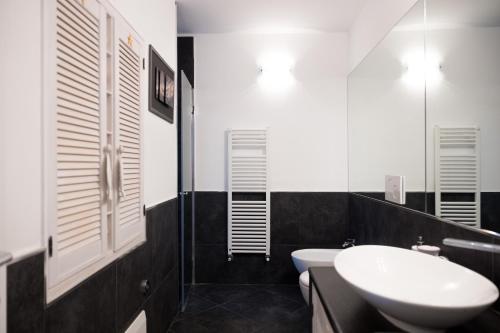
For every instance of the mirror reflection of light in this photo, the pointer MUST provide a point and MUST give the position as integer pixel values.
(275, 72)
(422, 69)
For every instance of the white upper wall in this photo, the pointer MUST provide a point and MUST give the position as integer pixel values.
(374, 21)
(20, 126)
(387, 117)
(21, 182)
(307, 121)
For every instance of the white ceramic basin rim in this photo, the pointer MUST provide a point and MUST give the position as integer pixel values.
(416, 288)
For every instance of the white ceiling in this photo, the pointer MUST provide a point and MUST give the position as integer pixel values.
(222, 16)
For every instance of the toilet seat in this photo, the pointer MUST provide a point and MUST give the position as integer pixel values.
(304, 285)
(304, 279)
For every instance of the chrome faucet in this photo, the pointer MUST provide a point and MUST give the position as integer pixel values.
(472, 245)
(350, 242)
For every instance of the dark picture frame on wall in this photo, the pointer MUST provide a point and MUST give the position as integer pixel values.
(161, 87)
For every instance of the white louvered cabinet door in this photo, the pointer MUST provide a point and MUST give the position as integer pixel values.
(77, 215)
(129, 220)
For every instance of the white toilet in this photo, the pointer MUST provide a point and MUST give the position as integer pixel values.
(303, 259)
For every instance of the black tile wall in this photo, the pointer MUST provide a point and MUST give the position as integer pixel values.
(414, 200)
(211, 218)
(109, 300)
(132, 270)
(309, 218)
(425, 202)
(188, 240)
(164, 240)
(298, 220)
(490, 210)
(162, 306)
(185, 57)
(374, 221)
(90, 307)
(26, 295)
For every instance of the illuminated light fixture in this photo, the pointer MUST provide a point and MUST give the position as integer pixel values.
(422, 69)
(275, 72)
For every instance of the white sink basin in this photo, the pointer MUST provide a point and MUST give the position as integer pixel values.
(415, 291)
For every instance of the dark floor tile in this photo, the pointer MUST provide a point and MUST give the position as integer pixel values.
(220, 294)
(298, 322)
(219, 320)
(188, 326)
(244, 308)
(88, 308)
(196, 305)
(26, 295)
(291, 292)
(263, 307)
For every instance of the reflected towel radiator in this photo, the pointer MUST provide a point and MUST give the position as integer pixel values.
(249, 203)
(457, 174)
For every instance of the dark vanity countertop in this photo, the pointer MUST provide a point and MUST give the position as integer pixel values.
(349, 313)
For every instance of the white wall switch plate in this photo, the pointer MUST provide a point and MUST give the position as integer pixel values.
(395, 189)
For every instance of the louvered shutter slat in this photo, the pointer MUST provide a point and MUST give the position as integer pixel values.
(79, 216)
(129, 220)
(78, 233)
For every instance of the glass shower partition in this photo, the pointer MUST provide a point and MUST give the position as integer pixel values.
(186, 186)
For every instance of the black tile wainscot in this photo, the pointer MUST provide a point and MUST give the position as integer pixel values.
(347, 312)
(109, 300)
(373, 221)
(298, 220)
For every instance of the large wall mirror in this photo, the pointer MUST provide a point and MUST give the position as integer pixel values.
(425, 104)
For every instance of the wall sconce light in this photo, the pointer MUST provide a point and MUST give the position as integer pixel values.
(422, 69)
(275, 72)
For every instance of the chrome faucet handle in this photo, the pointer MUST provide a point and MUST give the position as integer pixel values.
(420, 241)
(472, 245)
(350, 242)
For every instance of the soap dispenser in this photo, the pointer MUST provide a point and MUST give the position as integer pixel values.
(427, 249)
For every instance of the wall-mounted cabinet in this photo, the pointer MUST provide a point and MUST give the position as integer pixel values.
(93, 97)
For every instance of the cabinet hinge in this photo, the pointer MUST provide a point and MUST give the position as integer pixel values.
(50, 246)
(144, 210)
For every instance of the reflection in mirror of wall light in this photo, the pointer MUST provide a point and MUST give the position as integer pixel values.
(422, 69)
(275, 72)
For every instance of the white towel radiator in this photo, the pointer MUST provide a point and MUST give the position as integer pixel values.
(249, 202)
(457, 173)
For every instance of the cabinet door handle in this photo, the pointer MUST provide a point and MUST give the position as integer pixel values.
(107, 172)
(121, 191)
